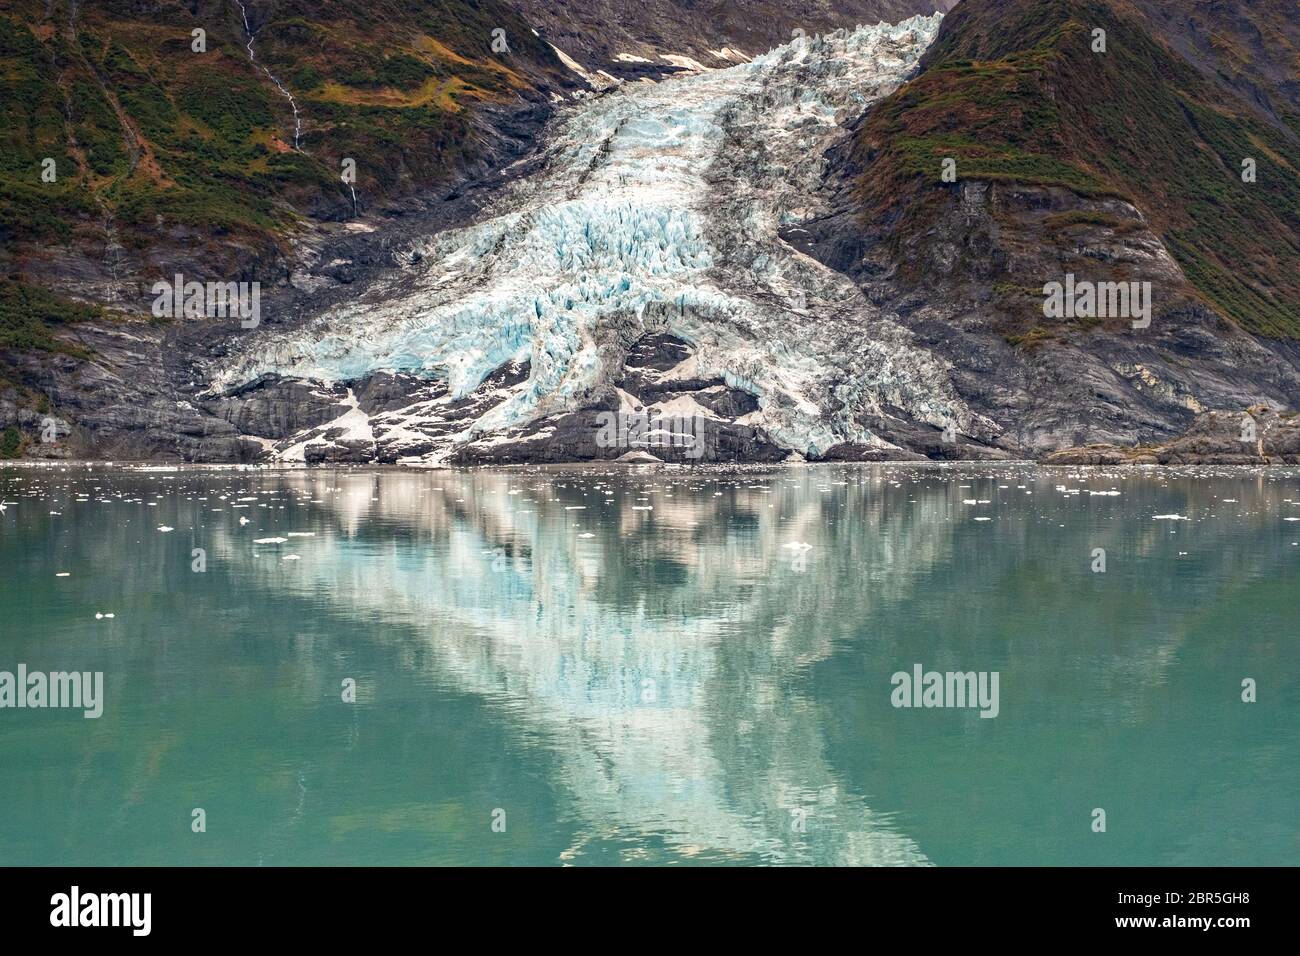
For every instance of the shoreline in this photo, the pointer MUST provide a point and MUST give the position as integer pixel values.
(576, 467)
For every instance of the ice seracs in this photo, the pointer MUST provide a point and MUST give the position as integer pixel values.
(658, 209)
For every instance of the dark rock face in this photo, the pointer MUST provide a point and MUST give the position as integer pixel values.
(1049, 383)
(1255, 436)
(653, 412)
(121, 405)
(921, 440)
(386, 392)
(277, 408)
(577, 437)
(854, 452)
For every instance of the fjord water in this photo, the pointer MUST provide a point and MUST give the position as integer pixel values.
(636, 667)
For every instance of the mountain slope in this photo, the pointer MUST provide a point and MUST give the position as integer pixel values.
(132, 149)
(206, 160)
(1122, 166)
(1013, 92)
(1251, 48)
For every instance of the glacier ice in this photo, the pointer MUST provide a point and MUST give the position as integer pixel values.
(656, 208)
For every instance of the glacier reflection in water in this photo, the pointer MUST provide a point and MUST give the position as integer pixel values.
(653, 665)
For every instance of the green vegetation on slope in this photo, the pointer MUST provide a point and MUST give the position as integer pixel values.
(146, 133)
(149, 132)
(30, 318)
(11, 443)
(1014, 92)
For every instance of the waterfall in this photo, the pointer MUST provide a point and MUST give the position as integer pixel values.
(252, 57)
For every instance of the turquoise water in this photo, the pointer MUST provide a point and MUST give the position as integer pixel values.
(635, 666)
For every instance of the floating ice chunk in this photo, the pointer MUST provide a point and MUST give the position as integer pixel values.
(63, 574)
(291, 557)
(164, 528)
(270, 540)
(302, 534)
(1170, 518)
(798, 546)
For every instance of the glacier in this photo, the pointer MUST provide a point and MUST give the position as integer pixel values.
(656, 207)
